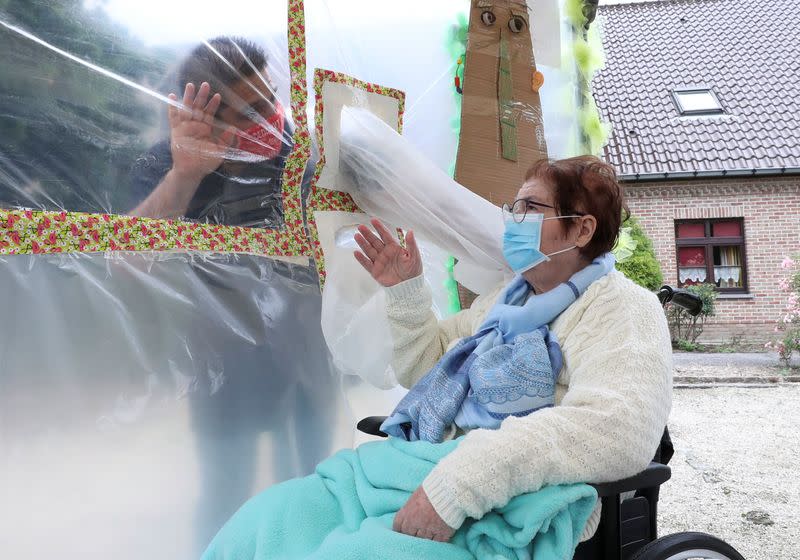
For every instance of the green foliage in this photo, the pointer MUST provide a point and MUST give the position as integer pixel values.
(588, 56)
(589, 53)
(456, 45)
(686, 328)
(625, 245)
(69, 134)
(793, 281)
(595, 131)
(457, 37)
(574, 11)
(642, 266)
(453, 302)
(733, 345)
(686, 346)
(707, 293)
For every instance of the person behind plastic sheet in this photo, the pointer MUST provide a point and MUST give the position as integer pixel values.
(226, 152)
(612, 395)
(223, 164)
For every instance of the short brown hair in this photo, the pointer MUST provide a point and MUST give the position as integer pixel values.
(221, 62)
(585, 184)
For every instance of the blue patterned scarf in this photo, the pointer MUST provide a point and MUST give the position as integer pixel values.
(509, 367)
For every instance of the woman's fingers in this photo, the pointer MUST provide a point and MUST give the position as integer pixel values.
(369, 250)
(386, 236)
(408, 527)
(411, 245)
(371, 238)
(397, 523)
(388, 262)
(364, 261)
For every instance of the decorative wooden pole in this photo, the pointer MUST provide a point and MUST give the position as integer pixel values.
(502, 130)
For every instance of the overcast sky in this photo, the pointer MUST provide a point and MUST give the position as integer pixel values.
(159, 22)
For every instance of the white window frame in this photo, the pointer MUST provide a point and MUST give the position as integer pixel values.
(676, 97)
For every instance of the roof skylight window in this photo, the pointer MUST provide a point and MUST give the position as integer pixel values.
(697, 101)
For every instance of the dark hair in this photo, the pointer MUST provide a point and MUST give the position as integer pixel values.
(221, 62)
(585, 184)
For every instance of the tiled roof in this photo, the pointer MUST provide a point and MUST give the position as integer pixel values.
(747, 51)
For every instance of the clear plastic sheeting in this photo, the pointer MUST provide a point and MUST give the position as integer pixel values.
(88, 123)
(85, 119)
(391, 179)
(353, 316)
(353, 305)
(144, 398)
(411, 48)
(399, 46)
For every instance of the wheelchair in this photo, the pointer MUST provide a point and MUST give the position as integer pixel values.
(628, 520)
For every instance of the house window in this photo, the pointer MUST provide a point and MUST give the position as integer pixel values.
(697, 101)
(711, 251)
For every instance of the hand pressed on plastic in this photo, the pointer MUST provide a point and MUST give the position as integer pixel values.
(418, 519)
(196, 149)
(384, 258)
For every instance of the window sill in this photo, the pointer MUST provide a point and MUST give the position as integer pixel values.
(735, 296)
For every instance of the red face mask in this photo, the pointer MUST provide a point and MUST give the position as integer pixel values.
(265, 141)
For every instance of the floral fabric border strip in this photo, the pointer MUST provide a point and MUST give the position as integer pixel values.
(321, 199)
(37, 232)
(32, 231)
(301, 153)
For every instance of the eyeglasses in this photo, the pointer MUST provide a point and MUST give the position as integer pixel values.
(520, 209)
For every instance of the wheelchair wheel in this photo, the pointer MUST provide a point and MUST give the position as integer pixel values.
(687, 546)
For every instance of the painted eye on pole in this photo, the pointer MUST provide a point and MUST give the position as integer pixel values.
(488, 18)
(516, 24)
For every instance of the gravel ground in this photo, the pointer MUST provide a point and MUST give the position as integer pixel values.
(732, 365)
(734, 473)
(728, 359)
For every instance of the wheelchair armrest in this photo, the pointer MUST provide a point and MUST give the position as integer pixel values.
(654, 475)
(372, 425)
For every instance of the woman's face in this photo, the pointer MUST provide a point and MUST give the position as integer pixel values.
(556, 234)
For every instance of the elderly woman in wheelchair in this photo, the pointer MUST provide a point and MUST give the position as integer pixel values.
(560, 378)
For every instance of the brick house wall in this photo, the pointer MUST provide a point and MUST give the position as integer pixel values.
(770, 207)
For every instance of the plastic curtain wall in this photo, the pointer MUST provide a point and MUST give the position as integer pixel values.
(167, 348)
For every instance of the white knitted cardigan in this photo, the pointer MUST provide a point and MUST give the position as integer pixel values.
(613, 397)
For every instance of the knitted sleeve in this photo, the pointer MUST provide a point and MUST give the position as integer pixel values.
(606, 428)
(419, 338)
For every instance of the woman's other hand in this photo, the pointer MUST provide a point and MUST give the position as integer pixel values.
(418, 519)
(384, 258)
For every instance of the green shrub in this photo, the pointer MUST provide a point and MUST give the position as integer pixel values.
(686, 346)
(685, 328)
(641, 266)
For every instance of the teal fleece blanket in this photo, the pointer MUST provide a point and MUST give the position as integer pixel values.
(345, 510)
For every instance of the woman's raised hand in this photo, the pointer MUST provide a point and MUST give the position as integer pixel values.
(384, 258)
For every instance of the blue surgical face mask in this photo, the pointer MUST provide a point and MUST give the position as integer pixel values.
(522, 242)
